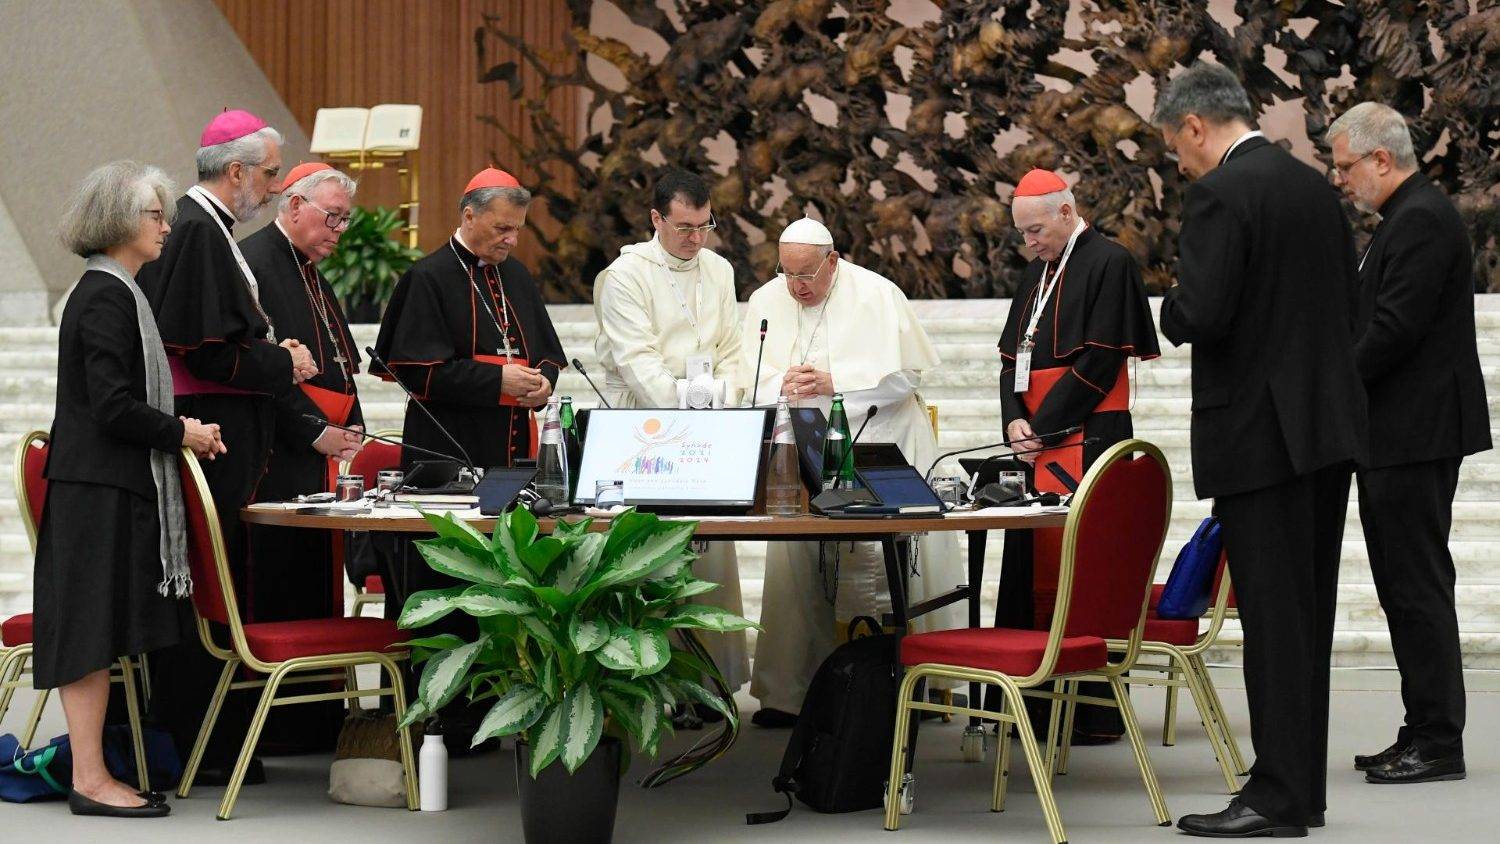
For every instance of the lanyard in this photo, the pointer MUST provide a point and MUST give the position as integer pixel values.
(201, 196)
(682, 302)
(1048, 287)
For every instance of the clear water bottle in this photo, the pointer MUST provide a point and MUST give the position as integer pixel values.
(552, 457)
(783, 483)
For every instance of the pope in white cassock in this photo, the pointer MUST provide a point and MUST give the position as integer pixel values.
(661, 306)
(832, 327)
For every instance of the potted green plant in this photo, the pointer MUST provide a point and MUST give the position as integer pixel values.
(573, 648)
(364, 267)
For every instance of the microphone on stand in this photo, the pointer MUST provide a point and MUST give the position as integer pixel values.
(578, 365)
(869, 414)
(755, 390)
(927, 476)
(467, 461)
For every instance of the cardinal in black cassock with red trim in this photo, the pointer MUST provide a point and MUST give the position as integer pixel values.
(229, 366)
(468, 333)
(314, 211)
(1080, 314)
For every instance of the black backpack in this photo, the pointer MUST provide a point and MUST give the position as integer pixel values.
(840, 750)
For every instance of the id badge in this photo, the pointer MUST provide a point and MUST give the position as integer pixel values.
(698, 365)
(1023, 368)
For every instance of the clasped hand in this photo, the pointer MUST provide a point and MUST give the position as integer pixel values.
(1023, 440)
(802, 382)
(203, 439)
(303, 365)
(336, 442)
(529, 386)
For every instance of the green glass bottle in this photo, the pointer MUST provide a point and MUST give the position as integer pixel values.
(574, 445)
(838, 455)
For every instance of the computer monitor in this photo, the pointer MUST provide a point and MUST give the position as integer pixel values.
(668, 458)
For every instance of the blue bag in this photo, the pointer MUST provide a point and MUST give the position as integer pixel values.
(42, 774)
(1186, 594)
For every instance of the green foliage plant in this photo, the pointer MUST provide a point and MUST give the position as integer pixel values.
(366, 264)
(573, 631)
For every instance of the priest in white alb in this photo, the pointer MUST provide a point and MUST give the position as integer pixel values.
(666, 310)
(833, 326)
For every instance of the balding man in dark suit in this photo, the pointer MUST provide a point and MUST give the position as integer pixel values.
(1266, 279)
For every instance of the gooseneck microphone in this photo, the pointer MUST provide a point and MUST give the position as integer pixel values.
(578, 365)
(467, 460)
(869, 414)
(1003, 444)
(755, 389)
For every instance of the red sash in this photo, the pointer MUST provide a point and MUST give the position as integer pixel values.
(335, 406)
(1046, 543)
(185, 383)
(510, 401)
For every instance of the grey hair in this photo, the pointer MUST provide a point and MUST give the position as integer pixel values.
(480, 198)
(1208, 90)
(305, 186)
(1371, 126)
(252, 149)
(106, 209)
(1057, 199)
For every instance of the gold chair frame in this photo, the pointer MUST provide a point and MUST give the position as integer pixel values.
(1064, 687)
(13, 660)
(341, 665)
(362, 598)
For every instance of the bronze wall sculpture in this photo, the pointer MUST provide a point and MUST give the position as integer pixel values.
(925, 200)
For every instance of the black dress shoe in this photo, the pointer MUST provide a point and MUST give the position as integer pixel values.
(1375, 760)
(212, 775)
(773, 719)
(80, 805)
(1410, 767)
(1238, 821)
(1317, 821)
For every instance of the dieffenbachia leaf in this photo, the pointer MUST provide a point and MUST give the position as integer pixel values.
(495, 600)
(583, 558)
(444, 673)
(663, 546)
(705, 617)
(619, 652)
(462, 563)
(583, 725)
(429, 605)
(449, 526)
(546, 740)
(586, 635)
(515, 711)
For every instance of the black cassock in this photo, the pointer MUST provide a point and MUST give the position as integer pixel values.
(225, 371)
(447, 310)
(1096, 318)
(303, 306)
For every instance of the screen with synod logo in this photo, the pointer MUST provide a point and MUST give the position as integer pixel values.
(708, 458)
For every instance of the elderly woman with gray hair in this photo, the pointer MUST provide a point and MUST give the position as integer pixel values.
(111, 553)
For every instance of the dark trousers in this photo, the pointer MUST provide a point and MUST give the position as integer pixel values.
(1283, 544)
(1407, 512)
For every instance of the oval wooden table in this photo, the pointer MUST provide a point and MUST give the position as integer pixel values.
(893, 534)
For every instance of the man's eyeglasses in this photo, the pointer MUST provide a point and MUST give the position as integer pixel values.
(333, 221)
(805, 278)
(690, 230)
(1171, 142)
(1342, 170)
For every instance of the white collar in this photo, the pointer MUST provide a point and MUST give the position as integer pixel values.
(218, 203)
(1253, 133)
(458, 236)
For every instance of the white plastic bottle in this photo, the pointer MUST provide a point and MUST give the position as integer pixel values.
(432, 768)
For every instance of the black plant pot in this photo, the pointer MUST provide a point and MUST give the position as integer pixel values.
(578, 808)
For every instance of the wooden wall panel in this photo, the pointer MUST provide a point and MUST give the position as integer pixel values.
(329, 53)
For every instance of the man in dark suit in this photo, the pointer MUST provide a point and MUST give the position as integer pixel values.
(1266, 280)
(1416, 351)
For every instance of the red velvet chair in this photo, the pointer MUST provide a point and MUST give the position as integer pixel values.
(374, 457)
(1111, 540)
(286, 652)
(16, 631)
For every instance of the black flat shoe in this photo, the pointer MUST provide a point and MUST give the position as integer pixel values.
(1410, 768)
(1238, 821)
(218, 775)
(80, 805)
(773, 719)
(1375, 760)
(152, 796)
